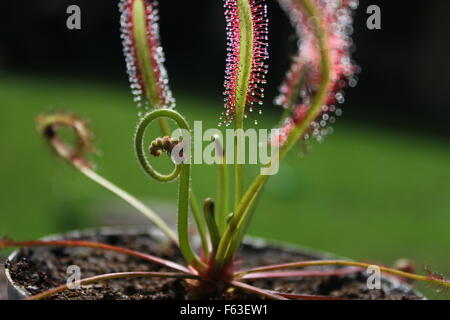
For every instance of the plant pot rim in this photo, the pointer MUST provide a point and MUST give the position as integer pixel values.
(17, 292)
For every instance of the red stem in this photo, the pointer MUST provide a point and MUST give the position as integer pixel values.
(89, 244)
(303, 273)
(256, 290)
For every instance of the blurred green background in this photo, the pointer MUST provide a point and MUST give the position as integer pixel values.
(366, 193)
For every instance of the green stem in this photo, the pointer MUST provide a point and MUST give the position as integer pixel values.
(164, 125)
(209, 212)
(238, 167)
(181, 170)
(183, 223)
(222, 187)
(201, 224)
(200, 221)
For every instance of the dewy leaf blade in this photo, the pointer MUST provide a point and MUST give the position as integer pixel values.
(247, 29)
(144, 55)
(144, 58)
(245, 55)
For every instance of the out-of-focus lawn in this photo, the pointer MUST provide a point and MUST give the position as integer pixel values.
(366, 193)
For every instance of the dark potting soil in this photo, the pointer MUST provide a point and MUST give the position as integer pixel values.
(39, 269)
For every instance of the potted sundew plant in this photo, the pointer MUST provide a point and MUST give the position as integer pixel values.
(216, 262)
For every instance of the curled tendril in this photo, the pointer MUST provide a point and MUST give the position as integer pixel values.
(158, 144)
(182, 170)
(48, 125)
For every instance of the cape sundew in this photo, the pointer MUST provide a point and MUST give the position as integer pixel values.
(303, 80)
(244, 89)
(145, 59)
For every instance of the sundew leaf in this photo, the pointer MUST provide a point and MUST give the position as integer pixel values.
(144, 55)
(246, 68)
(302, 85)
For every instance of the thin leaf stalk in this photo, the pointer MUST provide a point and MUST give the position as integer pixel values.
(222, 186)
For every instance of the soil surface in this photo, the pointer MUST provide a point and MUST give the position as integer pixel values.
(39, 269)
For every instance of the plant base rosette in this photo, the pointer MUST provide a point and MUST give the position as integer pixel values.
(34, 270)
